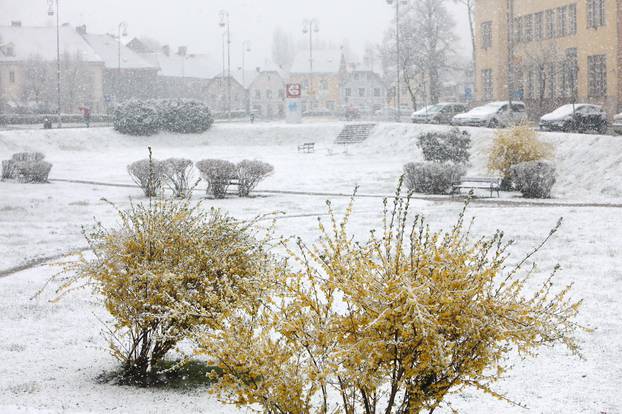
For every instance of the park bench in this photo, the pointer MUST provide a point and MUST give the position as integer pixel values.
(307, 147)
(492, 184)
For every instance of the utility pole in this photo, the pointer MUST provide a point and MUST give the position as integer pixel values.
(246, 47)
(398, 61)
(121, 32)
(225, 23)
(311, 26)
(510, 17)
(58, 71)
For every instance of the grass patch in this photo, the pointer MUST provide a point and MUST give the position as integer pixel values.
(168, 375)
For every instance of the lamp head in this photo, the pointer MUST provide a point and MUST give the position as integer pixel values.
(50, 7)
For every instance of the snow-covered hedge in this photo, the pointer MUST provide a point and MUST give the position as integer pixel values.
(535, 179)
(135, 117)
(32, 171)
(27, 167)
(451, 146)
(250, 173)
(184, 116)
(432, 177)
(148, 117)
(147, 174)
(218, 174)
(178, 173)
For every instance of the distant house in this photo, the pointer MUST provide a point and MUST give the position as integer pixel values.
(320, 78)
(127, 75)
(28, 70)
(364, 90)
(267, 93)
(180, 74)
(218, 91)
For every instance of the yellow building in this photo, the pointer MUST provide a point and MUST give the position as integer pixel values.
(321, 79)
(563, 50)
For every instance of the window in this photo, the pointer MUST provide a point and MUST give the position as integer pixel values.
(487, 84)
(569, 73)
(562, 14)
(528, 27)
(268, 94)
(539, 26)
(324, 84)
(257, 94)
(597, 75)
(12, 77)
(549, 24)
(595, 13)
(305, 84)
(518, 29)
(551, 78)
(377, 92)
(330, 105)
(486, 35)
(348, 92)
(362, 92)
(572, 19)
(281, 93)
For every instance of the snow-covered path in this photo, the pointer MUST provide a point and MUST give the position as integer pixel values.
(53, 353)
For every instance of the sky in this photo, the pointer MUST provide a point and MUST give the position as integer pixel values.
(194, 23)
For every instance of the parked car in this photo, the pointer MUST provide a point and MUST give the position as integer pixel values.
(441, 113)
(576, 118)
(617, 124)
(493, 115)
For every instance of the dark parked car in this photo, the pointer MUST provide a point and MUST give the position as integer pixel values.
(576, 118)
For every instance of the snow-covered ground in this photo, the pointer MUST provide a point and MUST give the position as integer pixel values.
(52, 353)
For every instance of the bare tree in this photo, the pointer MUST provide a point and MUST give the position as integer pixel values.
(470, 7)
(78, 85)
(427, 40)
(37, 81)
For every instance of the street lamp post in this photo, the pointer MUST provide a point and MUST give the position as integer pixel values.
(121, 32)
(58, 74)
(309, 27)
(246, 48)
(398, 60)
(225, 23)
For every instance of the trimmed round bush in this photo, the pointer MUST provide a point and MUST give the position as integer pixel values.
(185, 116)
(178, 173)
(451, 146)
(8, 169)
(147, 174)
(139, 118)
(534, 179)
(432, 177)
(250, 173)
(35, 172)
(218, 174)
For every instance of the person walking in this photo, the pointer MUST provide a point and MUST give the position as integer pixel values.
(86, 114)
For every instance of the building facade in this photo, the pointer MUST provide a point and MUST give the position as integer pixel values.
(563, 51)
(267, 94)
(364, 90)
(28, 82)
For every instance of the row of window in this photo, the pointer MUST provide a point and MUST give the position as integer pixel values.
(548, 24)
(362, 92)
(555, 79)
(268, 94)
(551, 23)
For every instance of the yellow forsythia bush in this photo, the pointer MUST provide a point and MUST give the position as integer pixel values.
(390, 324)
(168, 269)
(514, 146)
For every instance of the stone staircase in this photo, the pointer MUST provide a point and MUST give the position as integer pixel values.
(354, 133)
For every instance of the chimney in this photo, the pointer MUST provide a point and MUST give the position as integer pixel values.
(81, 29)
(16, 23)
(166, 49)
(182, 50)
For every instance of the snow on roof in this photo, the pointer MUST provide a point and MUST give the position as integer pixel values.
(324, 61)
(29, 42)
(245, 78)
(107, 47)
(199, 66)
